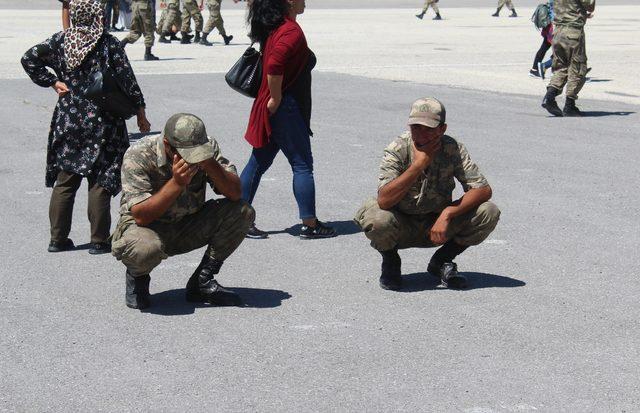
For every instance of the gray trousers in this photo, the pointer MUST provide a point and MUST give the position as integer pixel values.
(61, 207)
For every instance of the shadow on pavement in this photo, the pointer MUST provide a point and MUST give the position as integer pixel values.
(596, 114)
(172, 302)
(421, 281)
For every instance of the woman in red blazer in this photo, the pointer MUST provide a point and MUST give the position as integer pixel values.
(281, 113)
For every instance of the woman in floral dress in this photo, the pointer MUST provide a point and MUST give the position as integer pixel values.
(84, 141)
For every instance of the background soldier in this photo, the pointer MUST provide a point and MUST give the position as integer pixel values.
(569, 55)
(143, 21)
(509, 4)
(414, 208)
(190, 9)
(434, 6)
(164, 213)
(170, 18)
(214, 21)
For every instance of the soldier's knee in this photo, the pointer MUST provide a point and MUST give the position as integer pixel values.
(138, 251)
(378, 223)
(489, 212)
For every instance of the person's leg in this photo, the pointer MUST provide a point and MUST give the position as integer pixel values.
(540, 53)
(61, 207)
(115, 16)
(436, 9)
(108, 7)
(291, 134)
(137, 25)
(99, 213)
(259, 162)
(577, 77)
(562, 51)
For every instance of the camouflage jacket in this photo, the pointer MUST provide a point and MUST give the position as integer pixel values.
(432, 191)
(572, 13)
(145, 169)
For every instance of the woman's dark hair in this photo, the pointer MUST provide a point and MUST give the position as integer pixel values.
(264, 17)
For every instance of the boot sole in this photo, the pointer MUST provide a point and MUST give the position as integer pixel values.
(552, 111)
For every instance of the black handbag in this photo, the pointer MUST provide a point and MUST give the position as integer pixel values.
(106, 92)
(245, 75)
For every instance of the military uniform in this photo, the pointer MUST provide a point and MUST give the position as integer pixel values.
(170, 17)
(407, 225)
(142, 22)
(190, 9)
(215, 18)
(569, 51)
(433, 4)
(509, 4)
(190, 223)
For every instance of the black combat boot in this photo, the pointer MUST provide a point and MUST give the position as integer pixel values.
(227, 39)
(420, 15)
(204, 41)
(443, 267)
(65, 245)
(513, 13)
(549, 101)
(202, 287)
(197, 38)
(186, 38)
(390, 277)
(137, 291)
(124, 42)
(497, 13)
(163, 38)
(570, 109)
(173, 37)
(148, 55)
(438, 17)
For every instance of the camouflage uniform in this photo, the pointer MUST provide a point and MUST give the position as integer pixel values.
(502, 3)
(191, 10)
(142, 22)
(569, 51)
(170, 16)
(215, 18)
(190, 223)
(433, 4)
(407, 225)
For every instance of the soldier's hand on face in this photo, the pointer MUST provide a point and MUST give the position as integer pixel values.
(438, 232)
(60, 88)
(423, 155)
(182, 171)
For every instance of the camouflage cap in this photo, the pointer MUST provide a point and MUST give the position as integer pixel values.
(428, 112)
(186, 133)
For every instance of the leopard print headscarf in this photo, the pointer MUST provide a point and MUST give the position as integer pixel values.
(85, 31)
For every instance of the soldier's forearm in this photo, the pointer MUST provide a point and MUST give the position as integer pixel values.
(469, 201)
(227, 183)
(393, 192)
(154, 207)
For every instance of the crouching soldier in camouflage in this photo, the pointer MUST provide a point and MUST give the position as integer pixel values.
(164, 213)
(414, 208)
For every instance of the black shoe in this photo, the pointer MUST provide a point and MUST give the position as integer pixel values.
(448, 274)
(137, 291)
(570, 109)
(550, 104)
(420, 16)
(202, 287)
(255, 233)
(149, 56)
(319, 231)
(100, 248)
(497, 13)
(65, 245)
(197, 38)
(203, 40)
(186, 38)
(227, 39)
(163, 39)
(534, 73)
(438, 17)
(391, 277)
(173, 36)
(513, 13)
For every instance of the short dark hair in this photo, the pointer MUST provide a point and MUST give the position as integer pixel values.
(264, 17)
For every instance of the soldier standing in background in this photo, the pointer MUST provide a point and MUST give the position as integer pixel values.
(142, 23)
(509, 4)
(191, 10)
(414, 207)
(170, 18)
(214, 21)
(569, 55)
(434, 6)
(164, 212)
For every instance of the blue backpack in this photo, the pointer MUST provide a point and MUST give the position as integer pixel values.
(541, 17)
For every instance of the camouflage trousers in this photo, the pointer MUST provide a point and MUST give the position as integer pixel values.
(190, 10)
(220, 224)
(215, 18)
(502, 3)
(142, 22)
(433, 4)
(170, 17)
(569, 60)
(394, 229)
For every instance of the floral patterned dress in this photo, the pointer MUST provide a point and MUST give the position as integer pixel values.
(83, 139)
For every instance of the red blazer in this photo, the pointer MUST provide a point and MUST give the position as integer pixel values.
(285, 53)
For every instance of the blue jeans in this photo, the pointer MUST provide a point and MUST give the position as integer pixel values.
(289, 134)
